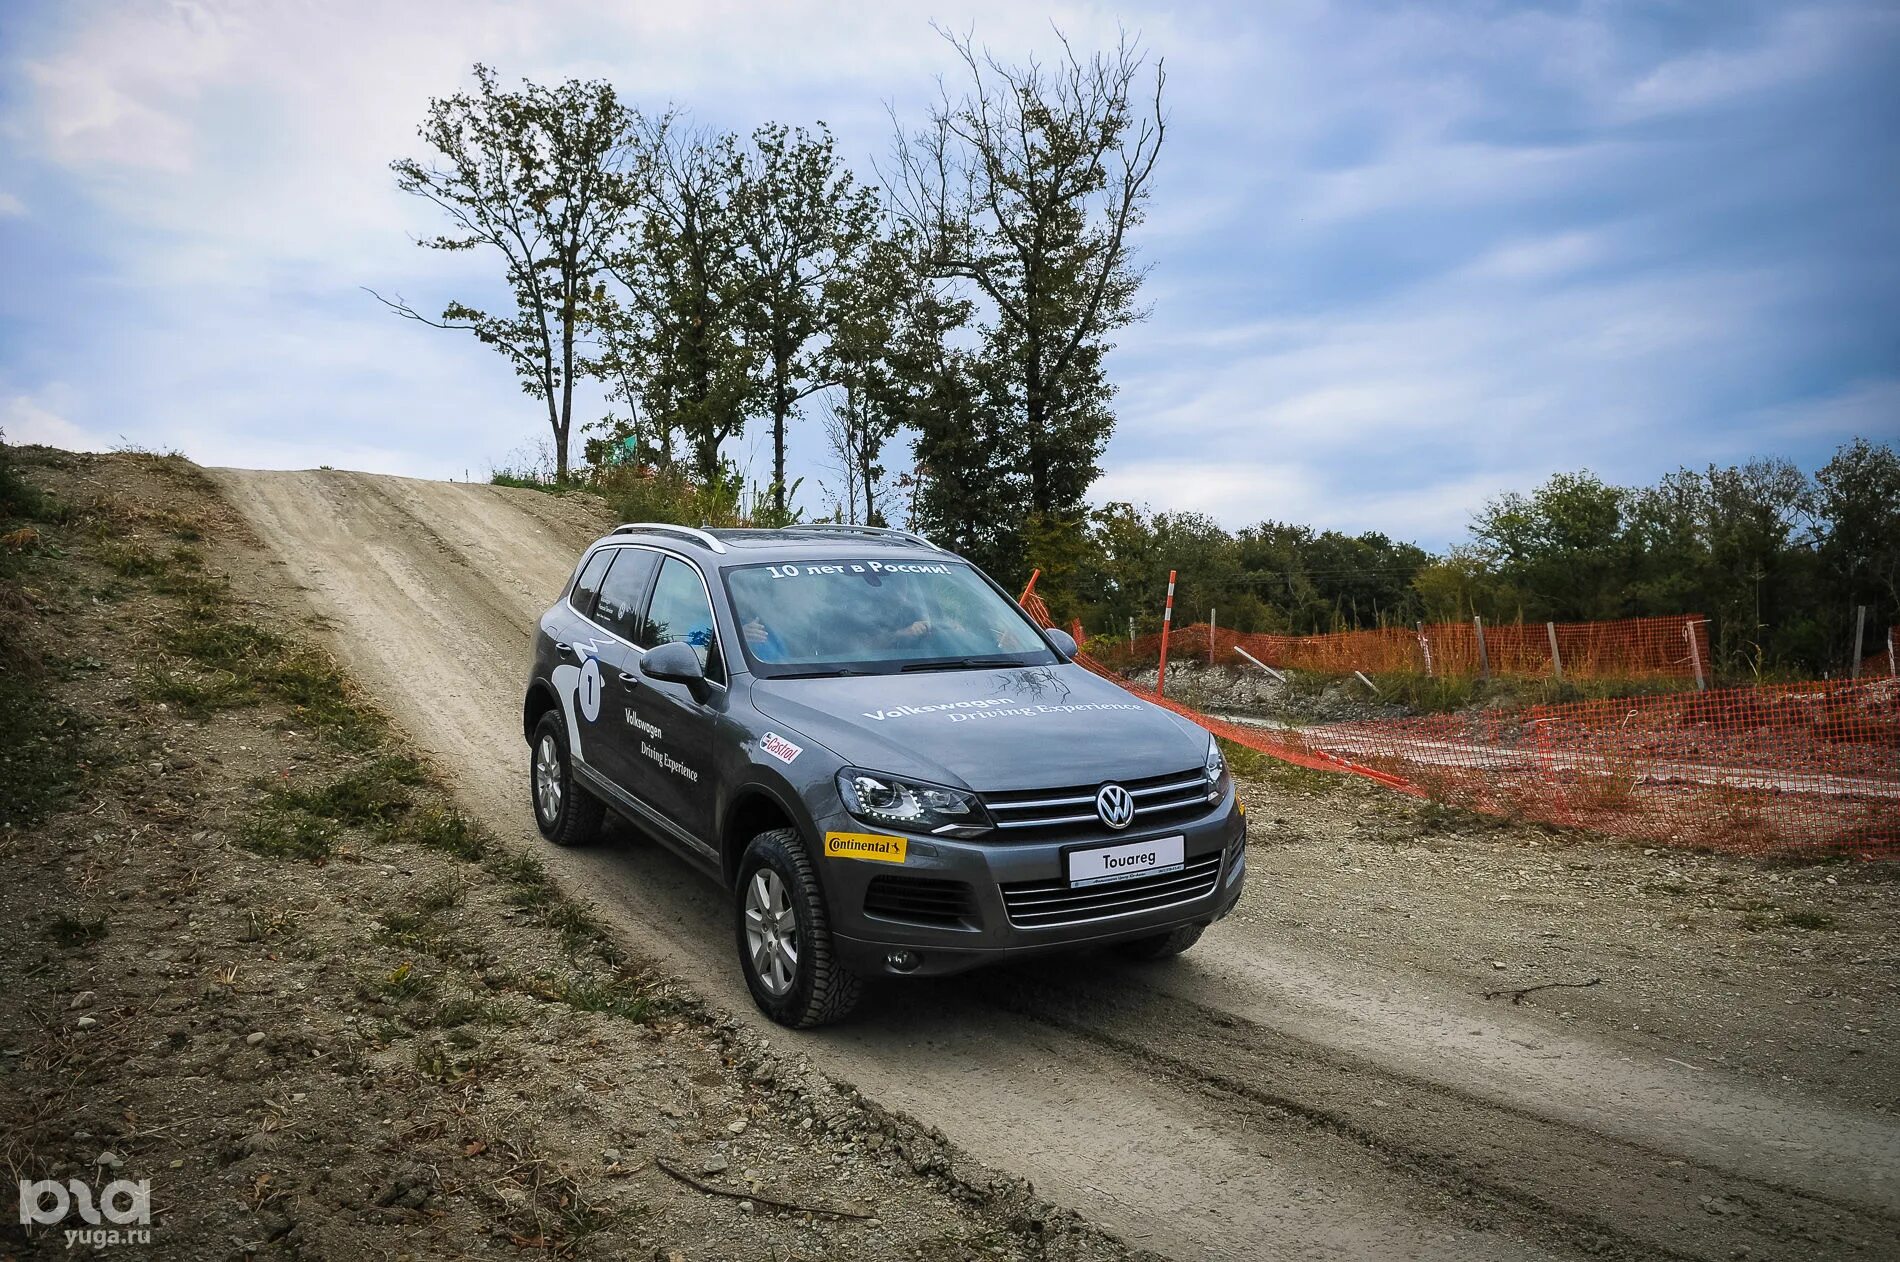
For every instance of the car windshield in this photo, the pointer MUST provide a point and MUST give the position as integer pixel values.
(877, 617)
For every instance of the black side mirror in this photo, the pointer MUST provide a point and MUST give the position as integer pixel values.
(676, 663)
(1064, 642)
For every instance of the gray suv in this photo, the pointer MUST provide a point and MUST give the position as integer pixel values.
(891, 767)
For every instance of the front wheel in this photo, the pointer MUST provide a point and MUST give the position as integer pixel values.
(567, 814)
(1162, 945)
(785, 947)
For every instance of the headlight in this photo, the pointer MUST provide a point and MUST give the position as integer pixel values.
(1215, 770)
(886, 802)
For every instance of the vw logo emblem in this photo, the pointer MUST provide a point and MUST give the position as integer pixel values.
(1115, 805)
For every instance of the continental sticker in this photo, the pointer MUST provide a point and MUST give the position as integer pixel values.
(872, 846)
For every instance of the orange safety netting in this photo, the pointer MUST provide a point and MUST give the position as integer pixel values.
(1631, 648)
(1808, 768)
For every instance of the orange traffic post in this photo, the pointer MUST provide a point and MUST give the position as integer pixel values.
(1167, 619)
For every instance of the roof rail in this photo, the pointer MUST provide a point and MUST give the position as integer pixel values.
(880, 532)
(667, 528)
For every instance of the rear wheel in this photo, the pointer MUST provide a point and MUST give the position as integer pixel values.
(785, 947)
(1162, 945)
(567, 814)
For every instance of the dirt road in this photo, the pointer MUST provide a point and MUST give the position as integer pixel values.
(1273, 1094)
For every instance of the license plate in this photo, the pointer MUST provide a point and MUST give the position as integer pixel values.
(1124, 863)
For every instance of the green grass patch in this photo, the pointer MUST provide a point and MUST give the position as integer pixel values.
(197, 696)
(295, 821)
(453, 1013)
(374, 796)
(619, 994)
(1250, 764)
(288, 833)
(404, 983)
(442, 828)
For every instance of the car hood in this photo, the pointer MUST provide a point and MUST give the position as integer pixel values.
(988, 729)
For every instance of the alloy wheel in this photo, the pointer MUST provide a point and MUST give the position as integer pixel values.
(771, 932)
(547, 779)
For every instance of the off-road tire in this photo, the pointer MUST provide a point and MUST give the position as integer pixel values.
(1161, 946)
(578, 815)
(823, 990)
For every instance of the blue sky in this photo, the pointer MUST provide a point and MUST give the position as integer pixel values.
(1402, 257)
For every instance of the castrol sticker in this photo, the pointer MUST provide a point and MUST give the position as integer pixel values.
(780, 748)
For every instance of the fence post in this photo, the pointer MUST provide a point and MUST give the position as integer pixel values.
(1556, 656)
(1695, 654)
(1860, 634)
(1425, 647)
(1210, 636)
(1167, 621)
(1030, 586)
(1484, 658)
(1131, 633)
(1893, 664)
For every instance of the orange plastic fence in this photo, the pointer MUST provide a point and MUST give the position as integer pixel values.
(1632, 648)
(1779, 769)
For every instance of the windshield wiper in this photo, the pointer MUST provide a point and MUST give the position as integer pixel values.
(961, 663)
(819, 674)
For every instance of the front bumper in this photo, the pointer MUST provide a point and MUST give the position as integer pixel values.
(866, 941)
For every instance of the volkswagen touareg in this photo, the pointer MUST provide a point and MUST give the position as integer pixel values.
(888, 765)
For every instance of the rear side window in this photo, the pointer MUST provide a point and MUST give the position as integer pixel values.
(679, 610)
(587, 586)
(624, 588)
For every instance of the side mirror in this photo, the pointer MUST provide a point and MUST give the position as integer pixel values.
(676, 663)
(1064, 642)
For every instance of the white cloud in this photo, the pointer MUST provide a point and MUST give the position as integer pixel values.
(1797, 45)
(26, 420)
(11, 206)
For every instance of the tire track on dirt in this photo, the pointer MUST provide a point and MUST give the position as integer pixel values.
(1167, 1105)
(1544, 1168)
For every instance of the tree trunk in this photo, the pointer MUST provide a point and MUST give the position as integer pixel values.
(1036, 407)
(781, 373)
(567, 386)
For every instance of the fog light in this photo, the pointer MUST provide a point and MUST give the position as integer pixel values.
(901, 961)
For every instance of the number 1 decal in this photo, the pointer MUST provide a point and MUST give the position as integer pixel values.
(590, 689)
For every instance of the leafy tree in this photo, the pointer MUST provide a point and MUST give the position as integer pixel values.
(1858, 494)
(802, 221)
(1026, 189)
(966, 487)
(865, 305)
(679, 337)
(542, 176)
(1563, 547)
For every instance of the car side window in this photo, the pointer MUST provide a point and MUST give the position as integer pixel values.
(679, 610)
(587, 586)
(623, 591)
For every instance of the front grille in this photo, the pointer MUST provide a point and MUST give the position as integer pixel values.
(1034, 904)
(1156, 798)
(919, 899)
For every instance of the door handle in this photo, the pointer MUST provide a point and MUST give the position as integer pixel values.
(627, 679)
(565, 650)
